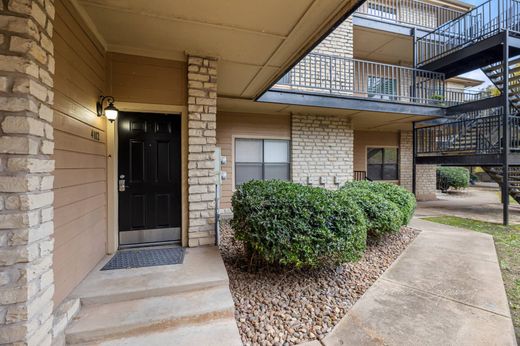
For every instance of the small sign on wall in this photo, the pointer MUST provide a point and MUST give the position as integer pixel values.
(95, 135)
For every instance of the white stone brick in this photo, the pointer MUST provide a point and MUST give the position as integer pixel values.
(20, 25)
(47, 182)
(23, 125)
(18, 145)
(30, 165)
(18, 220)
(19, 183)
(12, 202)
(47, 147)
(11, 63)
(36, 200)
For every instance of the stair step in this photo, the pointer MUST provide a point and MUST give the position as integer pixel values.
(200, 270)
(215, 333)
(116, 320)
(513, 79)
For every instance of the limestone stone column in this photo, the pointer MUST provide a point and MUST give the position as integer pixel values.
(202, 124)
(26, 171)
(406, 159)
(426, 174)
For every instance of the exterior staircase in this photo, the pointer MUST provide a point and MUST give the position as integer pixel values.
(495, 75)
(514, 179)
(186, 304)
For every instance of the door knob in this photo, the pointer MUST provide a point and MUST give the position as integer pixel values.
(122, 183)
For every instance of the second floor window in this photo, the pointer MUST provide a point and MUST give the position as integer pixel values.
(382, 163)
(261, 159)
(380, 87)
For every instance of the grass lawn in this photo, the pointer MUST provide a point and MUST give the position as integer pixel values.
(507, 242)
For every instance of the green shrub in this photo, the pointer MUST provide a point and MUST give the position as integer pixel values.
(452, 177)
(404, 200)
(291, 224)
(383, 216)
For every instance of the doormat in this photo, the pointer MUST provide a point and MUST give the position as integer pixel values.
(139, 258)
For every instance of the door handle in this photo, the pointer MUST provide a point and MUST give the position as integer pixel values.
(122, 184)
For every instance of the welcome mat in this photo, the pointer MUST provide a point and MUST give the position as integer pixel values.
(139, 258)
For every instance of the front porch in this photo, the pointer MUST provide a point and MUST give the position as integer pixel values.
(154, 305)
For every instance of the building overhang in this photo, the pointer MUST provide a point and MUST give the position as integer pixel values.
(351, 103)
(255, 41)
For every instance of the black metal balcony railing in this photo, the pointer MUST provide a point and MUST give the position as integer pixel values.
(326, 74)
(409, 12)
(467, 136)
(458, 96)
(476, 25)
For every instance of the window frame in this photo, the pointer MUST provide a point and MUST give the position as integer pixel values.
(263, 163)
(397, 164)
(381, 95)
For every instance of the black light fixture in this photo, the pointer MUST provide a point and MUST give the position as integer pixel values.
(110, 111)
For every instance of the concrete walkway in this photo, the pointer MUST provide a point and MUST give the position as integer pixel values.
(481, 202)
(445, 289)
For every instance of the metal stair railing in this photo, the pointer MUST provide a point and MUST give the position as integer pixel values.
(495, 75)
(482, 22)
(468, 136)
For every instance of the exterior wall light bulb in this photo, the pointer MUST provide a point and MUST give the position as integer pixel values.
(110, 111)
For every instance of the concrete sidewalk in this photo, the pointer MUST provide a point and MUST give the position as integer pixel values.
(476, 202)
(445, 289)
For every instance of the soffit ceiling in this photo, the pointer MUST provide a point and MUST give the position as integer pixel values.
(377, 45)
(256, 41)
(361, 120)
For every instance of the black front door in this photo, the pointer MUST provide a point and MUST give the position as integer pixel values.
(149, 178)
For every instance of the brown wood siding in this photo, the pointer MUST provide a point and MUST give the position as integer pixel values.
(80, 177)
(364, 139)
(236, 125)
(147, 80)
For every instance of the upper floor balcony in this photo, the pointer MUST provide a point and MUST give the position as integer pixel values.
(320, 74)
(412, 13)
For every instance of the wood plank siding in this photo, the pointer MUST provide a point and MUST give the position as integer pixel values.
(80, 177)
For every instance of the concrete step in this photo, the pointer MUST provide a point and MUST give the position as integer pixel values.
(202, 268)
(101, 322)
(216, 333)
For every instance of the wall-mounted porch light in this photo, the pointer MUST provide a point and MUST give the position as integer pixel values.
(110, 111)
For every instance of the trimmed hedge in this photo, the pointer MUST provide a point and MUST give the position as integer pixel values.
(383, 216)
(291, 224)
(452, 177)
(404, 200)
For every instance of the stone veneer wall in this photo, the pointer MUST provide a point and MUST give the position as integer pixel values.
(426, 174)
(339, 42)
(322, 150)
(314, 74)
(406, 160)
(26, 179)
(202, 124)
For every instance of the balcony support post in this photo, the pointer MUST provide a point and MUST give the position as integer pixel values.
(505, 129)
(414, 162)
(414, 54)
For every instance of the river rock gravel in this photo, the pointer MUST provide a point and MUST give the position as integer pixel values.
(288, 307)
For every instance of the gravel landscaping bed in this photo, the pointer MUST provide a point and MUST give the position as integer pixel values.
(287, 307)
